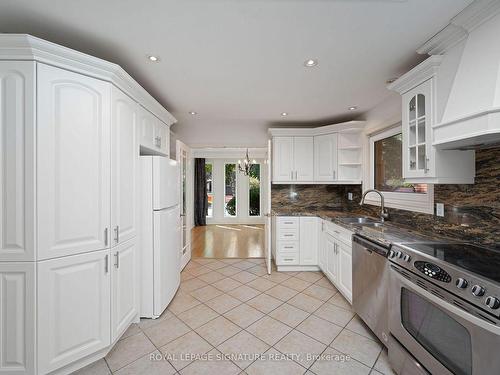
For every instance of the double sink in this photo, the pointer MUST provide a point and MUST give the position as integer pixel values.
(361, 221)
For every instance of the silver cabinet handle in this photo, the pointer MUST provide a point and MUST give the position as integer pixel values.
(288, 222)
(105, 236)
(288, 259)
(288, 235)
(117, 233)
(117, 257)
(288, 247)
(296, 175)
(334, 172)
(291, 175)
(106, 263)
(426, 165)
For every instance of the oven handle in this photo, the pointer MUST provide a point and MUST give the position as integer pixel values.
(444, 305)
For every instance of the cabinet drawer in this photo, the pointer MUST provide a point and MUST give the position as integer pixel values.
(288, 247)
(338, 232)
(288, 222)
(288, 234)
(287, 259)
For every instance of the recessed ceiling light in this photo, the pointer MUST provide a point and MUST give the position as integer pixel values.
(153, 58)
(284, 113)
(391, 80)
(310, 63)
(353, 108)
(193, 113)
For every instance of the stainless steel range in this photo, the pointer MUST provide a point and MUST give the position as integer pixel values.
(444, 309)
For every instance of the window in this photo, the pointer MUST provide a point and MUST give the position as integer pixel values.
(230, 190)
(254, 190)
(210, 194)
(388, 167)
(386, 175)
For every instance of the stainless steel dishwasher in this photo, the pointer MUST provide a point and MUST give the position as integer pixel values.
(370, 276)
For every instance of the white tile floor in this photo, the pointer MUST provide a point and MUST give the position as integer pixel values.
(233, 307)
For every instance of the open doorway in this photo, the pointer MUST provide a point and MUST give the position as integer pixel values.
(229, 205)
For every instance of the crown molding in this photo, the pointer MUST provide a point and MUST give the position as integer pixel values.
(27, 47)
(349, 126)
(460, 26)
(421, 73)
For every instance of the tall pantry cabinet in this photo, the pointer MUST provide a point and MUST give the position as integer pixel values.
(68, 250)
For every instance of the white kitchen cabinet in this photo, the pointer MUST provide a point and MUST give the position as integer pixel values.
(124, 287)
(309, 238)
(344, 284)
(74, 308)
(336, 257)
(17, 318)
(293, 159)
(282, 158)
(17, 160)
(124, 161)
(154, 135)
(303, 158)
(73, 162)
(422, 161)
(325, 157)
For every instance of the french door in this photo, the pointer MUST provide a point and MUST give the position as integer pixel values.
(184, 159)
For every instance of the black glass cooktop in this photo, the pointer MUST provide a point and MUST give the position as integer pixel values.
(479, 260)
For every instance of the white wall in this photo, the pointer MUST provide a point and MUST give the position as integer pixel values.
(242, 194)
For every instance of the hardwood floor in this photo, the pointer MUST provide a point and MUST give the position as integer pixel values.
(228, 241)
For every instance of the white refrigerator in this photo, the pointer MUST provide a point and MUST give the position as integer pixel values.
(160, 234)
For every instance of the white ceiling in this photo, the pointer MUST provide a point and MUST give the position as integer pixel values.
(239, 63)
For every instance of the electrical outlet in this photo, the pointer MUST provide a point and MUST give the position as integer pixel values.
(349, 196)
(440, 209)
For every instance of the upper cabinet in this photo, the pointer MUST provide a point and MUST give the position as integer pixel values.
(327, 155)
(293, 159)
(422, 161)
(154, 135)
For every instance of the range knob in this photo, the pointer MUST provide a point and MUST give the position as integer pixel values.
(462, 283)
(391, 254)
(477, 290)
(399, 254)
(406, 258)
(492, 302)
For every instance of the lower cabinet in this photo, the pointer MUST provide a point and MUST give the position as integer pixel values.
(124, 287)
(62, 310)
(335, 257)
(74, 300)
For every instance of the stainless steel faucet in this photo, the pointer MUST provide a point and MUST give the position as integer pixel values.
(383, 212)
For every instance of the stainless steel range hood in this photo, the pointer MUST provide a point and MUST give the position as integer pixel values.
(471, 117)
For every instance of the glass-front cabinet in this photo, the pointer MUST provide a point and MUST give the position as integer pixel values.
(417, 122)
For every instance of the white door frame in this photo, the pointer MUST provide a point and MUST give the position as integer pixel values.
(268, 239)
(186, 251)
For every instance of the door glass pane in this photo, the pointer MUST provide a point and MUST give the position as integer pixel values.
(210, 195)
(254, 190)
(421, 157)
(230, 190)
(412, 108)
(442, 336)
(421, 130)
(412, 139)
(388, 166)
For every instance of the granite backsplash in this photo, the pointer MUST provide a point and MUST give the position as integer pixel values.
(472, 212)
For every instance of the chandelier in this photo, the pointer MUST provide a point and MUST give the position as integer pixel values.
(245, 165)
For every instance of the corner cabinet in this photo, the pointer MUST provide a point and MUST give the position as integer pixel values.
(330, 154)
(423, 162)
(69, 257)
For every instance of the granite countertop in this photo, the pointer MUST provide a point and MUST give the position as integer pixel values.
(385, 235)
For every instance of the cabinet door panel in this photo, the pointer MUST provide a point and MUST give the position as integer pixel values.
(124, 154)
(162, 133)
(303, 157)
(345, 270)
(147, 123)
(17, 318)
(331, 258)
(73, 159)
(17, 138)
(308, 241)
(282, 158)
(74, 308)
(124, 287)
(325, 157)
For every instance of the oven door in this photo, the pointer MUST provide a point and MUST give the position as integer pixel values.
(444, 338)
